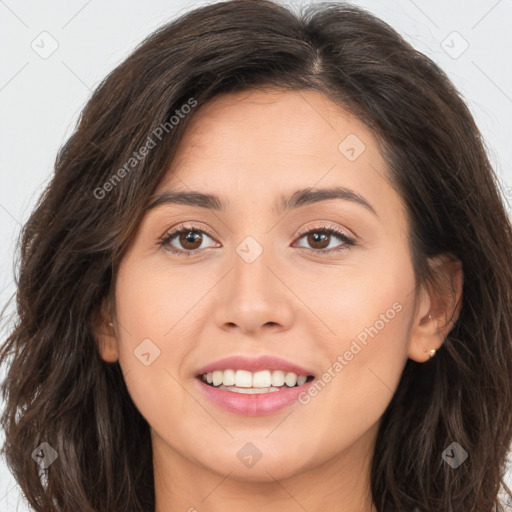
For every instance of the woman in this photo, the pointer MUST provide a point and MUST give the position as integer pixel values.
(272, 271)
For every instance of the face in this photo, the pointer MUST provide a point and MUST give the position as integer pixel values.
(281, 281)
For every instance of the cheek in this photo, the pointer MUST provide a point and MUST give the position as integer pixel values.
(370, 299)
(162, 312)
(366, 315)
(156, 301)
(153, 342)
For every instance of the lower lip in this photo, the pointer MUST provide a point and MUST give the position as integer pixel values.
(253, 405)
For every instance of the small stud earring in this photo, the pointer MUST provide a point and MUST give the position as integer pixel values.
(431, 353)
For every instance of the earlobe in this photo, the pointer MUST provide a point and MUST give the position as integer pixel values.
(432, 351)
(107, 344)
(438, 310)
(425, 340)
(105, 334)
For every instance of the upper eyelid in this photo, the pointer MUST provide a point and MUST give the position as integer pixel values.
(184, 227)
(328, 227)
(171, 233)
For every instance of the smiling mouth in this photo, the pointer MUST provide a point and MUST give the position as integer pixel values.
(249, 383)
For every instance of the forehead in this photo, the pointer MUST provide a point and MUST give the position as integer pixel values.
(258, 125)
(264, 143)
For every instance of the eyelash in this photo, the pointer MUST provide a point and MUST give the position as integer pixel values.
(331, 230)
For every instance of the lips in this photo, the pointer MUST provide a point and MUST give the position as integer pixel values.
(257, 402)
(254, 364)
(252, 405)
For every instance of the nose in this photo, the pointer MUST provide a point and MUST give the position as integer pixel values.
(252, 297)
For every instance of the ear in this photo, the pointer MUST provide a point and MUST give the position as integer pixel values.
(105, 334)
(438, 307)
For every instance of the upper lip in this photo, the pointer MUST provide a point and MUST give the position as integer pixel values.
(254, 364)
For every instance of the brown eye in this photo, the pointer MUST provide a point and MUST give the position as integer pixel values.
(190, 239)
(185, 240)
(318, 240)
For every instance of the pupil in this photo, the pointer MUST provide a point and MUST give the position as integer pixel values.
(319, 238)
(191, 237)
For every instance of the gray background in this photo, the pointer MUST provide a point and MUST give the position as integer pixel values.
(41, 95)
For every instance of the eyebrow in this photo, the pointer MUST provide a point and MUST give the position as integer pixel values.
(299, 198)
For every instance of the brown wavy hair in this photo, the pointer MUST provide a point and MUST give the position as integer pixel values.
(59, 390)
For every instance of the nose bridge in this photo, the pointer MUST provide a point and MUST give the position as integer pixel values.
(251, 281)
(253, 296)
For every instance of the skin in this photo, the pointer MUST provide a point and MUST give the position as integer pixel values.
(250, 149)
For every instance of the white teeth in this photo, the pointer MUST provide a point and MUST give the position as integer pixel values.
(277, 378)
(291, 379)
(249, 391)
(229, 378)
(261, 379)
(264, 380)
(243, 379)
(218, 376)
